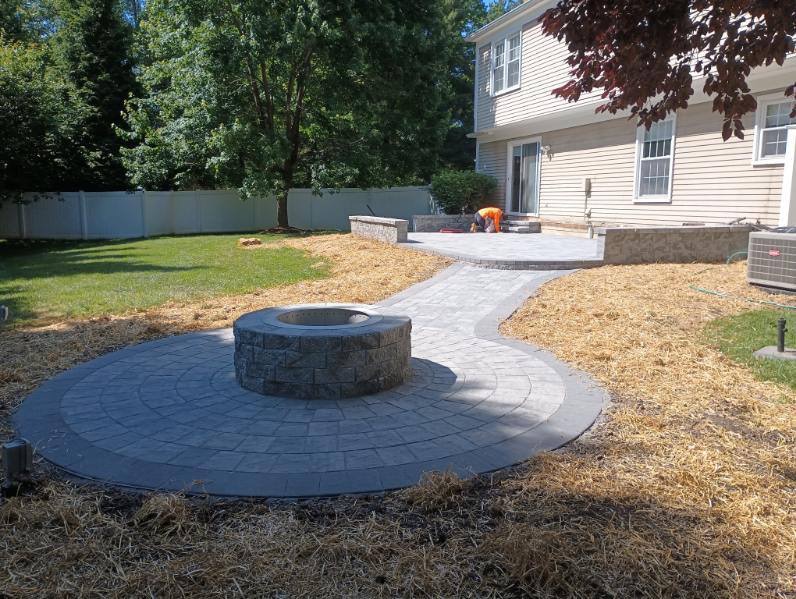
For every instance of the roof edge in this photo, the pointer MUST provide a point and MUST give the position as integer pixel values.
(506, 19)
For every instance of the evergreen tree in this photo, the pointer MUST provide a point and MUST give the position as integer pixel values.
(93, 43)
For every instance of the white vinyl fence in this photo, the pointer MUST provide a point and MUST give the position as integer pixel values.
(120, 214)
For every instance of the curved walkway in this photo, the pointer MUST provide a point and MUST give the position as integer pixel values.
(169, 415)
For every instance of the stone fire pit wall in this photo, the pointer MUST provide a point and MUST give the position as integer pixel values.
(321, 351)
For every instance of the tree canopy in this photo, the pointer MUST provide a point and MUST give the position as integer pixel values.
(66, 69)
(644, 55)
(268, 96)
(256, 95)
(39, 117)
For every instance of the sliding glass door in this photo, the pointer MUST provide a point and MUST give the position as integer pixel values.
(524, 177)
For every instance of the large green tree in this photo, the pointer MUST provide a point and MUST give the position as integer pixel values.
(266, 96)
(463, 17)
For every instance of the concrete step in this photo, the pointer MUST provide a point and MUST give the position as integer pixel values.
(520, 226)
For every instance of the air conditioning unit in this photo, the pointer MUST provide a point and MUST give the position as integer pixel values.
(772, 260)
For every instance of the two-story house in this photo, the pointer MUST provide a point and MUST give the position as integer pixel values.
(560, 161)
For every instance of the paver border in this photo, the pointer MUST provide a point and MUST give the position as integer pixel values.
(39, 417)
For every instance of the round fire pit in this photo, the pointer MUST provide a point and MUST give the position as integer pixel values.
(321, 351)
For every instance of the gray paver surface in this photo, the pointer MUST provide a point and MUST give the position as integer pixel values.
(169, 414)
(535, 251)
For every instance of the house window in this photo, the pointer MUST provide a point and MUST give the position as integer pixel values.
(773, 118)
(506, 55)
(655, 153)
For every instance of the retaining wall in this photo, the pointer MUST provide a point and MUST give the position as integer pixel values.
(390, 230)
(432, 223)
(645, 245)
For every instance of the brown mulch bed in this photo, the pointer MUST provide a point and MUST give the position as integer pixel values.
(685, 489)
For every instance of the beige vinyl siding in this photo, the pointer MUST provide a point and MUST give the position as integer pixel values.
(492, 161)
(713, 181)
(543, 68)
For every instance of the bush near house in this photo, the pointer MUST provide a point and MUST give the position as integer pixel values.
(462, 191)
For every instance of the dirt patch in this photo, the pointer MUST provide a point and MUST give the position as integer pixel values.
(249, 242)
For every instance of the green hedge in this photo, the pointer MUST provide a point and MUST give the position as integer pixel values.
(462, 191)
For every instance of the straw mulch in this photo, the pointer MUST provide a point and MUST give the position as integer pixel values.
(694, 470)
(684, 490)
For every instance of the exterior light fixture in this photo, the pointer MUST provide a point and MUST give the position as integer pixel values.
(17, 462)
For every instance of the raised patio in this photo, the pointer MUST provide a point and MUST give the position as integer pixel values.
(512, 252)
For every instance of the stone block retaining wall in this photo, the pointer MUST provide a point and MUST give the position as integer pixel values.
(645, 245)
(431, 223)
(390, 230)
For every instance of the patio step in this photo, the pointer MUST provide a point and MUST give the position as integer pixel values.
(520, 226)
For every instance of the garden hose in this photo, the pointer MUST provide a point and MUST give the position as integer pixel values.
(739, 253)
(723, 294)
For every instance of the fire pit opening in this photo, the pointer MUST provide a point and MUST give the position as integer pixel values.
(322, 351)
(322, 317)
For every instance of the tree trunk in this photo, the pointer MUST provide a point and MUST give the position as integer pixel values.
(281, 209)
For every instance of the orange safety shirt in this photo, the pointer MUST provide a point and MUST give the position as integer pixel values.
(494, 213)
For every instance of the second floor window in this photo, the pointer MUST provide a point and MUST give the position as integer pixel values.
(506, 64)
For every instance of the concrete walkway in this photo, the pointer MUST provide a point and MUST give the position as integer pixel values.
(511, 251)
(169, 415)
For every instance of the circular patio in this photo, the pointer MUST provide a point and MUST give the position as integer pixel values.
(170, 415)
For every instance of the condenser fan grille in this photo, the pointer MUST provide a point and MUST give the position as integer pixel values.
(772, 260)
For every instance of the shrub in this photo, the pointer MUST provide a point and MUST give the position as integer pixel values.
(462, 191)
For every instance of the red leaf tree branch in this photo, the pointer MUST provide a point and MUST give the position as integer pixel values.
(645, 56)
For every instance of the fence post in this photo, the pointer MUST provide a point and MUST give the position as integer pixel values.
(172, 228)
(198, 209)
(22, 224)
(83, 216)
(253, 202)
(142, 196)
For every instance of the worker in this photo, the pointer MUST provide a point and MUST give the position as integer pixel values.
(488, 219)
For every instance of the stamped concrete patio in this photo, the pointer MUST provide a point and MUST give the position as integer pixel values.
(534, 251)
(169, 414)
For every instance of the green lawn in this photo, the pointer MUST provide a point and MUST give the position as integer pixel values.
(78, 279)
(738, 336)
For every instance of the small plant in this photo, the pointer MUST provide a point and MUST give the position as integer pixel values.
(462, 191)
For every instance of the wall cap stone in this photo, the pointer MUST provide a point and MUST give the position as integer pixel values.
(378, 220)
(674, 229)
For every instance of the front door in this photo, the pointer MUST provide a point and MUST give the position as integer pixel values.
(523, 188)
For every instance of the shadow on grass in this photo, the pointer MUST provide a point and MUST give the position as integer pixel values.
(63, 259)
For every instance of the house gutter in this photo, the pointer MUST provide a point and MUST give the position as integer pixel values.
(510, 17)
